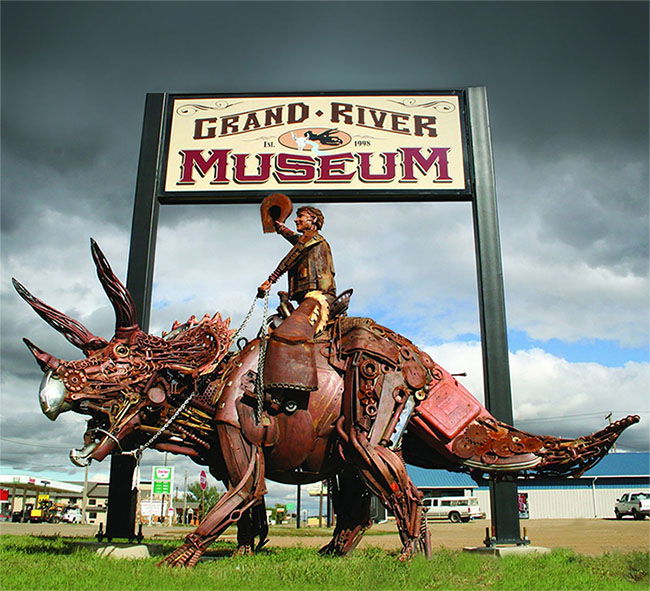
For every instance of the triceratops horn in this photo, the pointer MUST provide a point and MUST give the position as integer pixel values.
(125, 313)
(45, 360)
(72, 330)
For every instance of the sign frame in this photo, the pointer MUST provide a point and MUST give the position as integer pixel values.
(316, 195)
(491, 299)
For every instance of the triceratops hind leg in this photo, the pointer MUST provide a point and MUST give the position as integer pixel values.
(245, 465)
(351, 503)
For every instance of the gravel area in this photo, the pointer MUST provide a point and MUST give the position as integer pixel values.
(585, 536)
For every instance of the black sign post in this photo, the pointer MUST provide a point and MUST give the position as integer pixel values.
(481, 191)
(120, 517)
(494, 339)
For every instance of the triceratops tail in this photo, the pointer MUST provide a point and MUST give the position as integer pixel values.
(506, 449)
(469, 439)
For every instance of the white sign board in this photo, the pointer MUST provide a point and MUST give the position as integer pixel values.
(151, 507)
(348, 143)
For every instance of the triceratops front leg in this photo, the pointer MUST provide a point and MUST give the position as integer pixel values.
(252, 524)
(245, 465)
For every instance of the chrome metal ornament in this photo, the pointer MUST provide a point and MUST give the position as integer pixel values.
(51, 396)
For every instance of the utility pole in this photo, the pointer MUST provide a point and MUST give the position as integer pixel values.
(298, 506)
(320, 506)
(84, 497)
(185, 499)
(330, 482)
(608, 418)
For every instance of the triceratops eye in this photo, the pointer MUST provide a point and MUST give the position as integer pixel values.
(121, 350)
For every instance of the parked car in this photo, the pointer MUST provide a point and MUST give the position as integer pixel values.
(22, 515)
(456, 509)
(71, 515)
(635, 504)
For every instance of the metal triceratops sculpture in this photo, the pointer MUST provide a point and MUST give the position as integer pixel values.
(186, 393)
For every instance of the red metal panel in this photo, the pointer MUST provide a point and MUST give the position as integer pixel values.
(449, 408)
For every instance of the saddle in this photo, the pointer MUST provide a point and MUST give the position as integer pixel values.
(290, 362)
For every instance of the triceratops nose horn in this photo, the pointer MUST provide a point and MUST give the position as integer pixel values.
(45, 360)
(72, 330)
(123, 304)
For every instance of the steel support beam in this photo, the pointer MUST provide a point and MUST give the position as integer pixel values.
(494, 339)
(145, 212)
(120, 520)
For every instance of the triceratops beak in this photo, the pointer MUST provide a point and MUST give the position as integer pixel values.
(44, 360)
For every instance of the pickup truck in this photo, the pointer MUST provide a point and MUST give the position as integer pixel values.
(635, 504)
(456, 509)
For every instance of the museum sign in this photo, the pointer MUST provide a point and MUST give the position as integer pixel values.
(348, 144)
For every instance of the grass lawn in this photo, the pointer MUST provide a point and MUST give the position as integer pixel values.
(52, 563)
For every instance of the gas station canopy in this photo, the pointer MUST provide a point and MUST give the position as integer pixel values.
(38, 484)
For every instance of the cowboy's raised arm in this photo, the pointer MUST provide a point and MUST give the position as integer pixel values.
(286, 233)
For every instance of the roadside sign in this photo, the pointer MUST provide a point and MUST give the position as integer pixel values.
(162, 478)
(151, 507)
(203, 480)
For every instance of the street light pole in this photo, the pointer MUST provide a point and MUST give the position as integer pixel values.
(298, 507)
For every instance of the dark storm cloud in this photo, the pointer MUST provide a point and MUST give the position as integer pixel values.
(568, 88)
(564, 78)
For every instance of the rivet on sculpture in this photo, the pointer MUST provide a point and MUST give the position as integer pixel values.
(335, 397)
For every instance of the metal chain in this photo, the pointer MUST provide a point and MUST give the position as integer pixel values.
(248, 316)
(259, 381)
(137, 453)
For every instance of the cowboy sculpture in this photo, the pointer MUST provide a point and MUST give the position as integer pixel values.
(290, 360)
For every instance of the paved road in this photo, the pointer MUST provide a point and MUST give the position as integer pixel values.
(586, 536)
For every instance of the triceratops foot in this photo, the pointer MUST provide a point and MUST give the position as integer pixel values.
(344, 541)
(186, 555)
(409, 550)
(244, 550)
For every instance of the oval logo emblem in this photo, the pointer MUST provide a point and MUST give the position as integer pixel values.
(314, 139)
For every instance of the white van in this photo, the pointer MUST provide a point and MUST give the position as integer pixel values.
(456, 509)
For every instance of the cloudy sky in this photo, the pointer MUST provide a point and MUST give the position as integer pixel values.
(568, 92)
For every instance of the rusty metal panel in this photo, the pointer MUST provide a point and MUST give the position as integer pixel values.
(360, 339)
(449, 408)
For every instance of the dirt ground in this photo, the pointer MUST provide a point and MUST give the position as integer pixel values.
(585, 536)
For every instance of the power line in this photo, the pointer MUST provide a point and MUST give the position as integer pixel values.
(583, 415)
(17, 442)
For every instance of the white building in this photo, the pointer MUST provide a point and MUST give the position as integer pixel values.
(591, 495)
